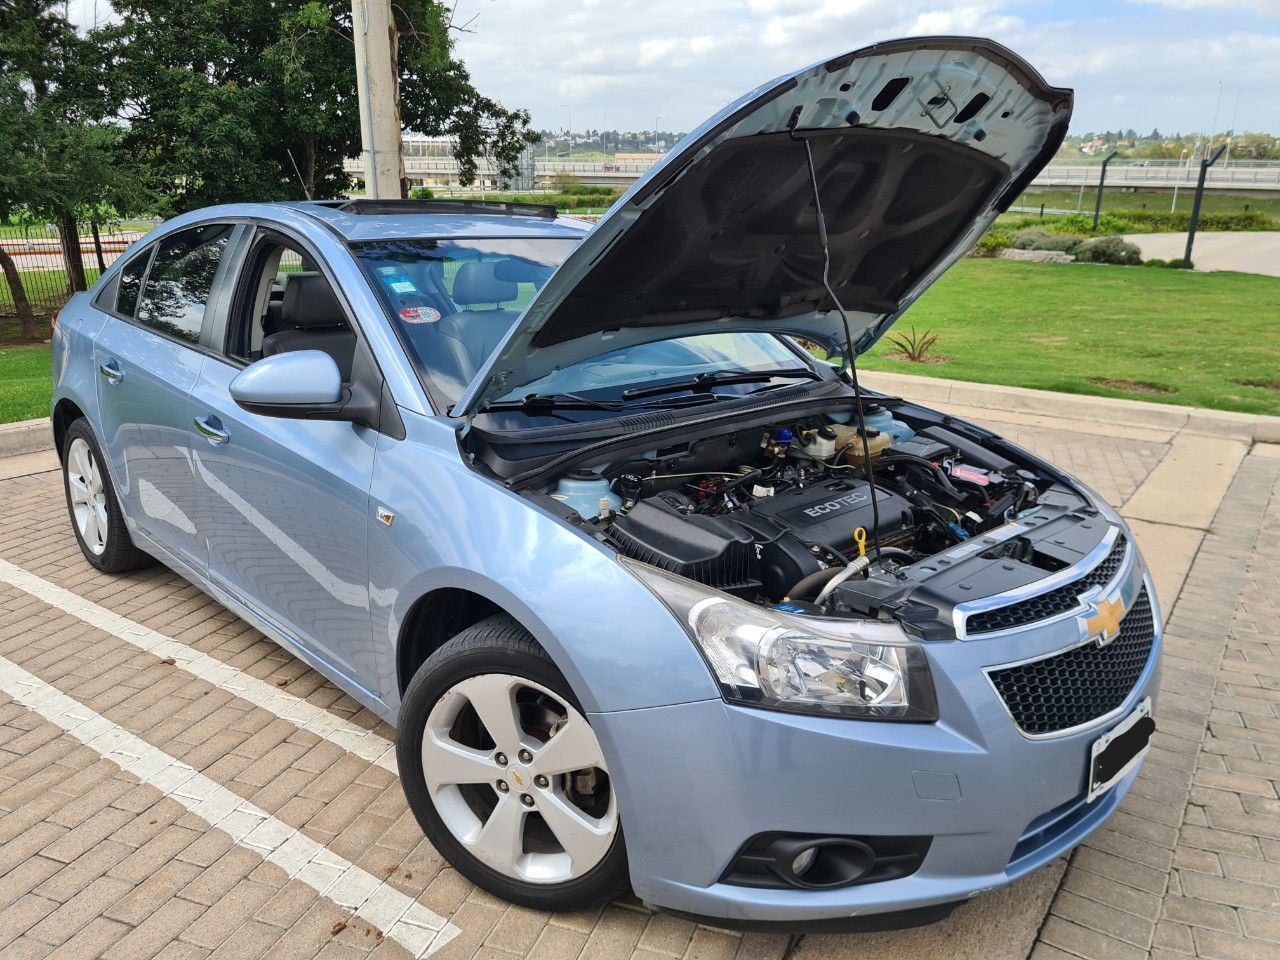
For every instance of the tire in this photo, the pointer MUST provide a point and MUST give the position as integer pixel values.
(504, 834)
(92, 506)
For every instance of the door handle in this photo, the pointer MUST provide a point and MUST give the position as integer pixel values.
(110, 370)
(211, 429)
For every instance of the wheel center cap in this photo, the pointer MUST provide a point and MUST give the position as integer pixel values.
(520, 778)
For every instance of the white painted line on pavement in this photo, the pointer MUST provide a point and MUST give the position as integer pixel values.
(403, 919)
(365, 744)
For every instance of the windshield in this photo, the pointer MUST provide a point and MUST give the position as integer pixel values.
(452, 301)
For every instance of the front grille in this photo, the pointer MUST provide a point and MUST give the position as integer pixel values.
(1072, 688)
(1052, 603)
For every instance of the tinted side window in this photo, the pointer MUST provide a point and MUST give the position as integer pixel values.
(131, 284)
(181, 279)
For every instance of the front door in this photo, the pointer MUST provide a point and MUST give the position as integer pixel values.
(284, 503)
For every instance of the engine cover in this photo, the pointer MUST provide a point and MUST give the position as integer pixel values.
(826, 514)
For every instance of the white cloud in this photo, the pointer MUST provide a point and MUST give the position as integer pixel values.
(1255, 6)
(1132, 64)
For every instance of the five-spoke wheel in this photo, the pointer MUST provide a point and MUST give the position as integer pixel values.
(88, 498)
(95, 513)
(505, 773)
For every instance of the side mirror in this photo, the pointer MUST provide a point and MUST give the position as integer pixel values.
(302, 385)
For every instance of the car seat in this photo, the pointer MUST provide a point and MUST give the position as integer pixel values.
(312, 319)
(470, 335)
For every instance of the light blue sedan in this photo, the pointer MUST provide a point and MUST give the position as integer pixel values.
(655, 598)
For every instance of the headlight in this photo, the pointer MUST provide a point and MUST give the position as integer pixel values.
(766, 658)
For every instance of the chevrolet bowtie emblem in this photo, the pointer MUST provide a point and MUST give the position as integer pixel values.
(1102, 620)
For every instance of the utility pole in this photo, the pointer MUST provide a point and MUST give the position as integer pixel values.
(378, 93)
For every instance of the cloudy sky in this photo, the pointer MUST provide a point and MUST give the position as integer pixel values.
(624, 63)
(1133, 63)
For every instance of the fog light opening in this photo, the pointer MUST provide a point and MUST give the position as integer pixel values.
(780, 860)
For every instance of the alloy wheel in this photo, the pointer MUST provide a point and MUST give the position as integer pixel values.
(518, 777)
(88, 496)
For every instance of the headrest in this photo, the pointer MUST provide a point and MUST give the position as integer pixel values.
(309, 303)
(477, 282)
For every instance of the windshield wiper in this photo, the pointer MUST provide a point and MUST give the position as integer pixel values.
(543, 404)
(705, 382)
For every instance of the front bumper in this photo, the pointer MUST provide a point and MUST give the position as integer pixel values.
(696, 780)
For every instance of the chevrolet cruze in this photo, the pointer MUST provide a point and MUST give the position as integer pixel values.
(655, 597)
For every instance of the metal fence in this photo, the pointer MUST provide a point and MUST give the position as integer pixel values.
(36, 262)
(1120, 198)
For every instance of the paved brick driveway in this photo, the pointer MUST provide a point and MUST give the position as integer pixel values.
(136, 713)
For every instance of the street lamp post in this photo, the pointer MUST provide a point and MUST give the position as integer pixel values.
(1178, 173)
(569, 110)
(1195, 207)
(1102, 178)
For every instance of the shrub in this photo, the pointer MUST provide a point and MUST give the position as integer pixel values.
(565, 182)
(421, 193)
(1109, 250)
(915, 346)
(992, 242)
(1034, 238)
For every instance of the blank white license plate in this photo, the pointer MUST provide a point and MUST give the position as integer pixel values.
(1119, 750)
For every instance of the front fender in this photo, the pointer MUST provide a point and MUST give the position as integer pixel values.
(616, 644)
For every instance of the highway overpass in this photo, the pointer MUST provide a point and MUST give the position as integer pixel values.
(1240, 176)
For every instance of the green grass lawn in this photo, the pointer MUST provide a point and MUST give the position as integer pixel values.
(1118, 201)
(25, 382)
(44, 287)
(1201, 339)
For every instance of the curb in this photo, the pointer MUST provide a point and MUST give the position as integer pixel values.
(33, 436)
(25, 436)
(1250, 427)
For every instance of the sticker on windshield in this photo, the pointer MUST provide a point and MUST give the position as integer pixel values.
(403, 286)
(419, 314)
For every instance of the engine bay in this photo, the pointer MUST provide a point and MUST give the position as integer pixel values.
(835, 516)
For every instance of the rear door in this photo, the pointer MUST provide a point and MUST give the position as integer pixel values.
(147, 357)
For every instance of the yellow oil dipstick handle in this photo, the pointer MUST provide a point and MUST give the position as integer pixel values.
(860, 538)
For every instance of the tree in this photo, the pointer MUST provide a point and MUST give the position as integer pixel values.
(57, 159)
(236, 100)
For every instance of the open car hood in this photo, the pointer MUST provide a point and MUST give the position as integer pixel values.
(918, 144)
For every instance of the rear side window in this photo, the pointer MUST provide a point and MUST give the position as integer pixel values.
(181, 280)
(131, 284)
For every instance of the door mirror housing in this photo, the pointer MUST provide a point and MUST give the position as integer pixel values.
(300, 384)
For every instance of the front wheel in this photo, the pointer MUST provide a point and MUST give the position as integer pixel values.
(505, 774)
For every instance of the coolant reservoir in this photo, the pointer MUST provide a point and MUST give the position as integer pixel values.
(849, 443)
(878, 418)
(587, 493)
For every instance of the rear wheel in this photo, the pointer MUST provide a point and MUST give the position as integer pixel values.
(505, 774)
(91, 501)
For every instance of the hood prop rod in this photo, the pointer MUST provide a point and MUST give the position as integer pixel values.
(851, 365)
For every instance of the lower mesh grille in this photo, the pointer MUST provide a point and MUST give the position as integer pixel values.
(1072, 688)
